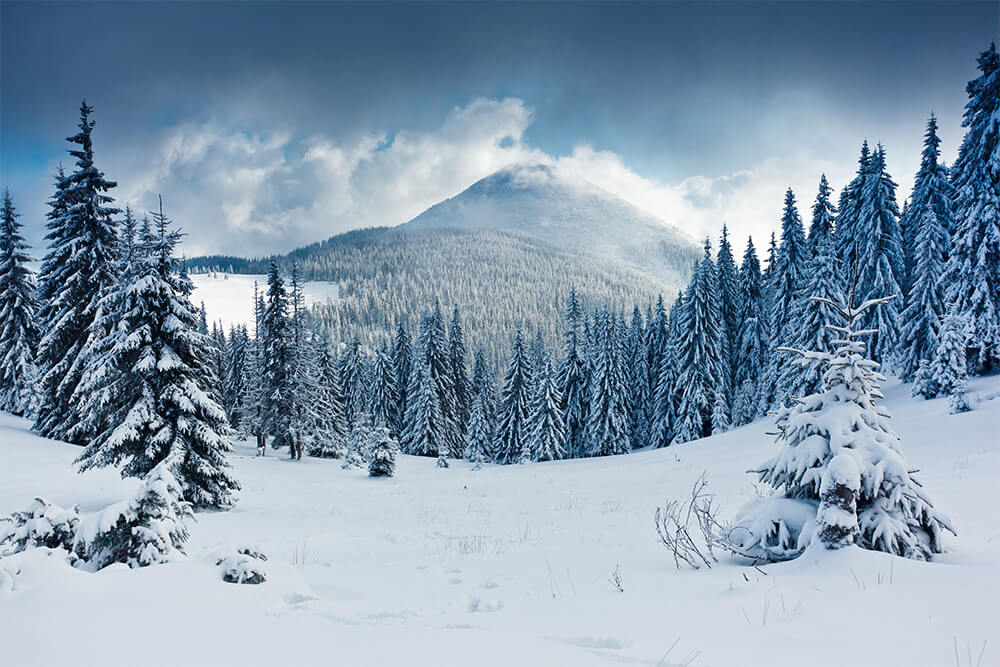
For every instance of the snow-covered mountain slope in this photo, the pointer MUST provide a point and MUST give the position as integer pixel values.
(510, 565)
(542, 201)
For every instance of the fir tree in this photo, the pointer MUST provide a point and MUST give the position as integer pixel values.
(79, 267)
(277, 401)
(664, 397)
(236, 392)
(637, 383)
(945, 372)
(894, 513)
(457, 357)
(402, 359)
(482, 416)
(512, 418)
(331, 430)
(383, 463)
(848, 207)
(546, 431)
(572, 377)
(701, 350)
(973, 272)
(423, 434)
(143, 391)
(352, 382)
(754, 343)
(921, 320)
(725, 269)
(383, 398)
(607, 422)
(18, 335)
(823, 213)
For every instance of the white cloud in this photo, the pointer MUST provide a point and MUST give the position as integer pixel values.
(255, 193)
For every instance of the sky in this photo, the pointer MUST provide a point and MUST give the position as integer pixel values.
(266, 126)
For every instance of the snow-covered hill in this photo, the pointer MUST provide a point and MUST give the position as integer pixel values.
(543, 201)
(510, 565)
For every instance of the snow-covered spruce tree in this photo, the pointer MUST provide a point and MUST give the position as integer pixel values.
(848, 207)
(725, 270)
(18, 335)
(331, 429)
(637, 383)
(236, 390)
(786, 282)
(147, 530)
(277, 401)
(754, 343)
(894, 514)
(383, 463)
(546, 439)
(700, 354)
(383, 398)
(823, 213)
(572, 377)
(79, 266)
(932, 193)
(402, 359)
(432, 350)
(879, 256)
(458, 360)
(353, 382)
(423, 434)
(360, 442)
(945, 373)
(811, 315)
(921, 320)
(480, 435)
(515, 399)
(607, 421)
(972, 276)
(656, 347)
(663, 397)
(143, 389)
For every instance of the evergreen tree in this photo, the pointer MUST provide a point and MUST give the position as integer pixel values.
(637, 383)
(812, 315)
(18, 335)
(823, 214)
(921, 320)
(894, 513)
(725, 268)
(423, 434)
(482, 416)
(433, 350)
(277, 400)
(607, 423)
(546, 440)
(515, 398)
(754, 343)
(932, 195)
(457, 356)
(848, 207)
(144, 390)
(572, 378)
(402, 359)
(972, 276)
(79, 267)
(236, 391)
(945, 373)
(330, 440)
(702, 376)
(383, 398)
(665, 396)
(352, 382)
(880, 255)
(383, 463)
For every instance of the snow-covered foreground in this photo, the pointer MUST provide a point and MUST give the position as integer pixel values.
(510, 565)
(228, 297)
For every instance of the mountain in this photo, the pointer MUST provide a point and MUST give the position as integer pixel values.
(542, 201)
(506, 250)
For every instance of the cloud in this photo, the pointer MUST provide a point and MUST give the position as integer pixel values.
(243, 192)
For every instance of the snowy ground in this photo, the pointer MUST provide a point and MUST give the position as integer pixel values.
(510, 565)
(228, 297)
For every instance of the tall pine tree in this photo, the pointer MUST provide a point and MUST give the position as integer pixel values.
(18, 335)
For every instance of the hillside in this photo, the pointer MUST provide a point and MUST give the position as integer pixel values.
(510, 564)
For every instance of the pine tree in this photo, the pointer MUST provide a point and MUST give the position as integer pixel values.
(754, 343)
(702, 376)
(546, 430)
(921, 320)
(972, 275)
(945, 373)
(433, 352)
(879, 257)
(572, 377)
(383, 398)
(932, 195)
(665, 397)
(725, 269)
(402, 359)
(848, 207)
(457, 356)
(383, 463)
(637, 383)
(277, 401)
(18, 335)
(482, 416)
(236, 375)
(144, 390)
(79, 267)
(811, 316)
(607, 422)
(515, 398)
(823, 213)
(352, 382)
(424, 421)
(331, 429)
(894, 513)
